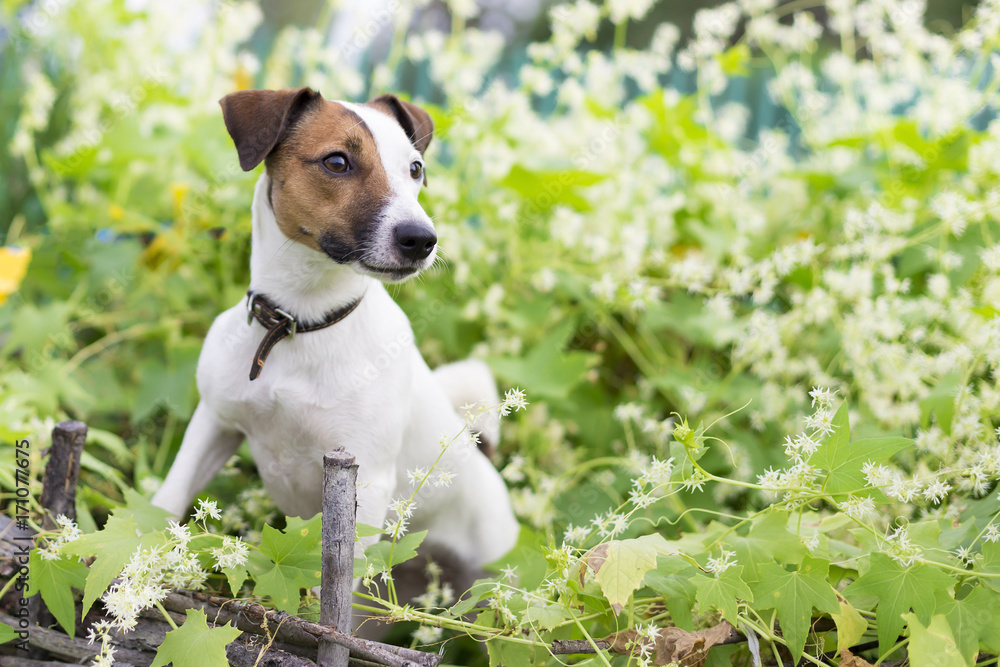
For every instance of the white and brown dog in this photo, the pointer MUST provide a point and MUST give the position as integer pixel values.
(335, 215)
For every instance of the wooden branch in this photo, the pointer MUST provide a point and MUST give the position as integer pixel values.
(575, 646)
(244, 652)
(14, 542)
(17, 661)
(340, 507)
(255, 619)
(62, 472)
(76, 649)
(581, 646)
(58, 497)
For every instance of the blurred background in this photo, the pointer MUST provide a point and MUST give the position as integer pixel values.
(364, 29)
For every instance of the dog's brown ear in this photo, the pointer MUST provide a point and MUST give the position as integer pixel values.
(415, 121)
(258, 119)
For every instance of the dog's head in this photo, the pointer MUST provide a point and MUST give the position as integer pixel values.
(344, 177)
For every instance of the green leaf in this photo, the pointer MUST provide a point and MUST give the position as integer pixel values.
(723, 592)
(975, 619)
(933, 645)
(941, 402)
(734, 60)
(113, 546)
(479, 590)
(547, 370)
(544, 616)
(898, 590)
(236, 576)
(35, 327)
(851, 625)
(194, 644)
(55, 579)
(768, 539)
(793, 595)
(148, 517)
(672, 578)
(364, 530)
(528, 557)
(621, 565)
(170, 386)
(7, 633)
(843, 459)
(545, 189)
(990, 564)
(287, 561)
(508, 654)
(826, 456)
(383, 555)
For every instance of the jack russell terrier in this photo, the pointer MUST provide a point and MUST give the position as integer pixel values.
(335, 215)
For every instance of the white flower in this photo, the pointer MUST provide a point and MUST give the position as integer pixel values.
(514, 470)
(822, 397)
(205, 509)
(180, 532)
(575, 534)
(233, 553)
(937, 491)
(717, 566)
(427, 634)
(514, 399)
(901, 549)
(628, 412)
(857, 507)
(623, 10)
(416, 476)
(821, 421)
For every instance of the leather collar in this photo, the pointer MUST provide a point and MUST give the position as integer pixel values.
(280, 324)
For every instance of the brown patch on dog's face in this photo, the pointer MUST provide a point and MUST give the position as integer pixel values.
(335, 212)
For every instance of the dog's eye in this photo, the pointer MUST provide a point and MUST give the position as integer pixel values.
(337, 163)
(416, 170)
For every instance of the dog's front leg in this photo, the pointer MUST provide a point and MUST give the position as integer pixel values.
(375, 488)
(206, 447)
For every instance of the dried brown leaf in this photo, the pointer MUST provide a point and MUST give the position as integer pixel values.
(848, 659)
(689, 649)
(594, 559)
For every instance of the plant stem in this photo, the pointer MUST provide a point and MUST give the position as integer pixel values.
(166, 615)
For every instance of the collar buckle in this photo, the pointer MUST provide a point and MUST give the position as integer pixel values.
(250, 306)
(292, 324)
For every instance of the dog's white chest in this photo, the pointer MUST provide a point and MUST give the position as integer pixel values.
(317, 391)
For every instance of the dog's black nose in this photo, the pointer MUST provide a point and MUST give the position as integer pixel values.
(415, 241)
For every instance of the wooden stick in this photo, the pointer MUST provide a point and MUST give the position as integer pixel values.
(255, 619)
(576, 646)
(246, 653)
(62, 472)
(58, 497)
(340, 506)
(77, 649)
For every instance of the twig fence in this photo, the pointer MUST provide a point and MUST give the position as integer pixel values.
(271, 638)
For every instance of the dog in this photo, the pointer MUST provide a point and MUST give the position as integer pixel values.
(331, 357)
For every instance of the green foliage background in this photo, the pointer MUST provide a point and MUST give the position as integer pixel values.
(622, 252)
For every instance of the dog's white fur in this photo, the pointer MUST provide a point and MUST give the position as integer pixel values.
(360, 384)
